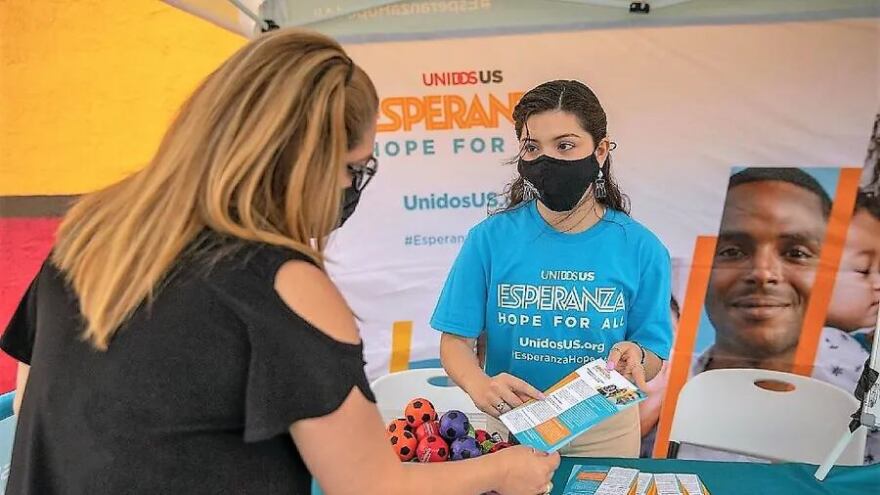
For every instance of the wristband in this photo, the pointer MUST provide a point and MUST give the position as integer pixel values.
(644, 354)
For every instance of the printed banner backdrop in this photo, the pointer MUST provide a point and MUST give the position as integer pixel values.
(791, 283)
(685, 104)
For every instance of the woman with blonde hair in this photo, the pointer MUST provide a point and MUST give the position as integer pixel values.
(184, 337)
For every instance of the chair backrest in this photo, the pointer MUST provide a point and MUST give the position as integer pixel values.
(394, 391)
(726, 410)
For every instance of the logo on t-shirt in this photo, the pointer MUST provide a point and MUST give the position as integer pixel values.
(563, 299)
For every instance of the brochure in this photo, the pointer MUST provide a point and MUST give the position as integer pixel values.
(580, 401)
(611, 480)
(601, 480)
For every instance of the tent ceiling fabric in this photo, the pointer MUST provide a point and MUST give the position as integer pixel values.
(379, 20)
(221, 12)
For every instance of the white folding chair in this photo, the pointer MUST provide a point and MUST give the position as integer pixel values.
(395, 390)
(726, 410)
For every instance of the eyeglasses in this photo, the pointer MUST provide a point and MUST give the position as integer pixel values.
(362, 174)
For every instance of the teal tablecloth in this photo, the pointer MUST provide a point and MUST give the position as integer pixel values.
(740, 478)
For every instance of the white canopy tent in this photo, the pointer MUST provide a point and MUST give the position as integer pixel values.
(382, 20)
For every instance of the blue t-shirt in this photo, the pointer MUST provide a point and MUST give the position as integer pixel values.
(552, 301)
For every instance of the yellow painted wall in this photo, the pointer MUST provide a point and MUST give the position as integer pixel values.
(87, 87)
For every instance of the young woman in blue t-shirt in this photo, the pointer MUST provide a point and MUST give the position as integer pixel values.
(561, 277)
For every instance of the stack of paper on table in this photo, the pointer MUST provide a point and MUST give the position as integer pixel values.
(601, 480)
(610, 480)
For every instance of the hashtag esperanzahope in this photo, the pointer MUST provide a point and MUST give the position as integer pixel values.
(423, 240)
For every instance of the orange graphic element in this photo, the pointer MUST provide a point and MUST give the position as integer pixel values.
(561, 383)
(686, 336)
(552, 431)
(592, 476)
(445, 112)
(401, 341)
(829, 262)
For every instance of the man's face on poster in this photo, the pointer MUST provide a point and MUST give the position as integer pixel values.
(764, 267)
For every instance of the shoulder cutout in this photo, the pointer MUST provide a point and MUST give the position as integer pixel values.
(311, 294)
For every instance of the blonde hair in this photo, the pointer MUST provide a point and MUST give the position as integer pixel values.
(254, 153)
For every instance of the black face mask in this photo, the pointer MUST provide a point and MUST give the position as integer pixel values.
(350, 199)
(559, 184)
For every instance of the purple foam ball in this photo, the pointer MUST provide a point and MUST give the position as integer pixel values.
(454, 425)
(465, 448)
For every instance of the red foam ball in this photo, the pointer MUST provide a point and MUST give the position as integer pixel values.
(420, 411)
(482, 436)
(431, 428)
(499, 446)
(404, 444)
(432, 449)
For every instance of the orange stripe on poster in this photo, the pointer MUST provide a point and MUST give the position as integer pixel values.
(686, 336)
(829, 262)
(401, 342)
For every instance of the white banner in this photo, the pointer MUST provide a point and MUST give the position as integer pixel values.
(684, 104)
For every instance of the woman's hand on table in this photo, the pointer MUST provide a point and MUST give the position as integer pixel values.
(528, 471)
